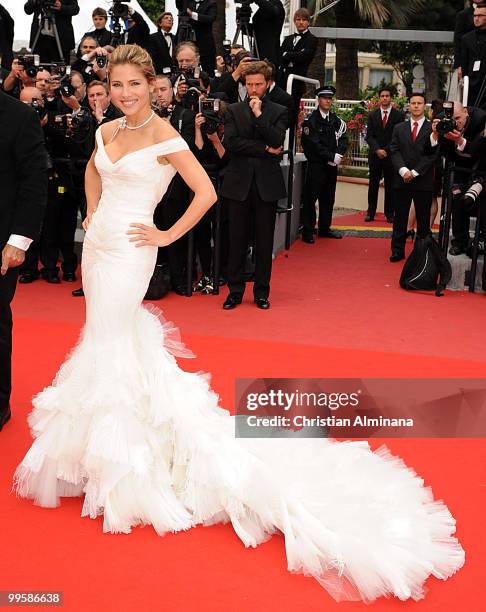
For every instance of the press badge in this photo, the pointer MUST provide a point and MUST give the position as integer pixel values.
(476, 65)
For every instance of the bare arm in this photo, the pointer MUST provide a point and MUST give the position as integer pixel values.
(204, 197)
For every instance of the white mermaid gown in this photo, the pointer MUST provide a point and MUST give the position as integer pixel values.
(146, 443)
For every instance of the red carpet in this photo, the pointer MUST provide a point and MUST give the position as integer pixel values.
(336, 311)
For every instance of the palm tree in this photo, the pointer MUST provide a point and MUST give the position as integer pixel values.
(361, 13)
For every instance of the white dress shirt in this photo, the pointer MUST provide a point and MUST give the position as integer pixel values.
(20, 242)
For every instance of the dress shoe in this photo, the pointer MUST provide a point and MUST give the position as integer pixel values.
(369, 218)
(69, 277)
(5, 417)
(78, 292)
(309, 239)
(397, 256)
(330, 234)
(28, 277)
(411, 234)
(262, 303)
(181, 290)
(51, 277)
(232, 301)
(456, 249)
(389, 219)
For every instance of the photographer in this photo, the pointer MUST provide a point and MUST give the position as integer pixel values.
(138, 32)
(457, 141)
(233, 86)
(202, 15)
(253, 183)
(91, 56)
(473, 57)
(212, 155)
(20, 76)
(162, 44)
(51, 15)
(267, 27)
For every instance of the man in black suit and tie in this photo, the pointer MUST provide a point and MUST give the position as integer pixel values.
(162, 44)
(473, 57)
(42, 35)
(23, 176)
(297, 53)
(464, 24)
(253, 183)
(202, 15)
(378, 136)
(413, 160)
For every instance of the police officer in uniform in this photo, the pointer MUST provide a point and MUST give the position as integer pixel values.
(324, 141)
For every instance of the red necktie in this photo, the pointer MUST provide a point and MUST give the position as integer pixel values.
(385, 119)
(414, 131)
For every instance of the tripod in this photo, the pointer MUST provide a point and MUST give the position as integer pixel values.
(48, 22)
(244, 28)
(117, 32)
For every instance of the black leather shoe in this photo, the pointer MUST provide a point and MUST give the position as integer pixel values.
(389, 219)
(78, 292)
(330, 234)
(28, 277)
(181, 290)
(456, 249)
(369, 218)
(308, 239)
(232, 301)
(262, 303)
(5, 417)
(51, 277)
(69, 277)
(397, 256)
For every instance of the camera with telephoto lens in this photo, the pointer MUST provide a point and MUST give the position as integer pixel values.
(227, 57)
(209, 108)
(243, 12)
(46, 5)
(119, 10)
(474, 191)
(446, 123)
(30, 63)
(190, 99)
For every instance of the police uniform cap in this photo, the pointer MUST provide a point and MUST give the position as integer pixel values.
(326, 91)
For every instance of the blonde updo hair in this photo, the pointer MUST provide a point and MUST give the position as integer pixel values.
(134, 56)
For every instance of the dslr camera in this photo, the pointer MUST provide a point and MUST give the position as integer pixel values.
(446, 123)
(40, 110)
(209, 108)
(30, 63)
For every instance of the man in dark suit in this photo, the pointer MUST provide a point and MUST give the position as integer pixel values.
(253, 183)
(138, 32)
(202, 15)
(267, 27)
(473, 57)
(297, 52)
(464, 24)
(6, 38)
(162, 44)
(280, 96)
(23, 176)
(378, 136)
(413, 160)
(42, 35)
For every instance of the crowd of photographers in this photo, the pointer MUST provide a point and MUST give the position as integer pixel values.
(199, 91)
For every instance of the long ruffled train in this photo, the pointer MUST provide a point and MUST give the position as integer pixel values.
(146, 443)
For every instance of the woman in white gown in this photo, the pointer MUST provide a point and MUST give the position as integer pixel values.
(145, 442)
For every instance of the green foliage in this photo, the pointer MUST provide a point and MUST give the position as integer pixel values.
(153, 8)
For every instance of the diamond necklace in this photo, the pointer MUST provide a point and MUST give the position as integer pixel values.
(124, 124)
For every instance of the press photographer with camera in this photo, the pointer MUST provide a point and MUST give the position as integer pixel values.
(93, 60)
(202, 14)
(22, 74)
(253, 183)
(52, 27)
(233, 86)
(456, 133)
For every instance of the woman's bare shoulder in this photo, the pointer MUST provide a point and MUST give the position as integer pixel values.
(108, 129)
(163, 130)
